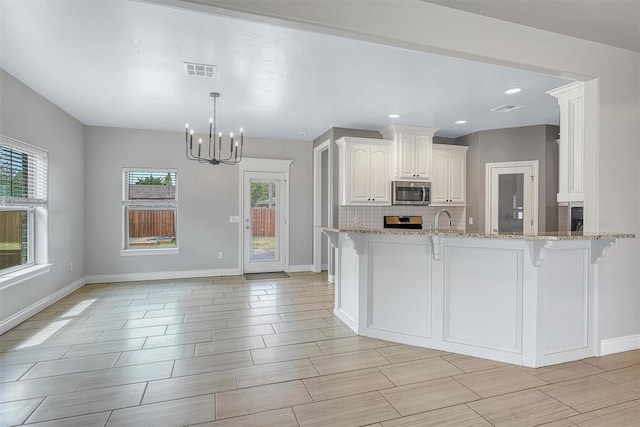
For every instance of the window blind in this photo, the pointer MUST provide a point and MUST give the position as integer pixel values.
(23, 173)
(149, 185)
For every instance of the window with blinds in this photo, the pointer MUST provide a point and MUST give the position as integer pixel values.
(150, 209)
(23, 195)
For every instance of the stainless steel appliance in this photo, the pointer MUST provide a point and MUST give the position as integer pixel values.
(410, 193)
(408, 222)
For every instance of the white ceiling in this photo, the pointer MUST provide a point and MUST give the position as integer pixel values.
(612, 22)
(120, 63)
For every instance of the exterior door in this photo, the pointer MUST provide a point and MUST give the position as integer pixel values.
(512, 198)
(263, 221)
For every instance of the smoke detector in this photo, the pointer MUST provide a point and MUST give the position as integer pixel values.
(200, 70)
(506, 108)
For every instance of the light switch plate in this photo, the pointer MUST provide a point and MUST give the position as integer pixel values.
(234, 219)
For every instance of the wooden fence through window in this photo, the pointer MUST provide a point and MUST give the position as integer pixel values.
(11, 227)
(152, 223)
(264, 222)
(161, 223)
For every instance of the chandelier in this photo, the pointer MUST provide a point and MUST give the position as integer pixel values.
(213, 155)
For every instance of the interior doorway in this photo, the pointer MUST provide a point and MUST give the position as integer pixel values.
(512, 197)
(265, 216)
(322, 184)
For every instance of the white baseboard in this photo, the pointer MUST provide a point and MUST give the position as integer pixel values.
(299, 268)
(619, 344)
(22, 315)
(162, 275)
(324, 267)
(331, 278)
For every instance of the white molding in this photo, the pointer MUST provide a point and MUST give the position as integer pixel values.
(11, 279)
(299, 268)
(162, 275)
(249, 164)
(619, 344)
(146, 252)
(22, 315)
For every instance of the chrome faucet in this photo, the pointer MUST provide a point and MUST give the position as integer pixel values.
(437, 222)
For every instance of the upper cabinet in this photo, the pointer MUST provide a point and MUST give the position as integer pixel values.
(571, 142)
(365, 171)
(448, 187)
(412, 151)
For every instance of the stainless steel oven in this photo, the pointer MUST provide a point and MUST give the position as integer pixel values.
(410, 193)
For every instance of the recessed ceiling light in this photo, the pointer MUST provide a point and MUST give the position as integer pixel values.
(394, 116)
(513, 91)
(302, 133)
(460, 122)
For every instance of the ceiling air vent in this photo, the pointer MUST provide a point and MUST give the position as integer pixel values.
(506, 108)
(200, 70)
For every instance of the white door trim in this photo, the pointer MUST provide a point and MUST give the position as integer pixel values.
(249, 164)
(490, 167)
(317, 203)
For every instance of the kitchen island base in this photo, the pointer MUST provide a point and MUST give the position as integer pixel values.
(515, 300)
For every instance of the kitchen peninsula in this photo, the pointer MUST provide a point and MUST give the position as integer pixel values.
(530, 300)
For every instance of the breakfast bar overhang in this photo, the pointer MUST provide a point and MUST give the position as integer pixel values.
(530, 300)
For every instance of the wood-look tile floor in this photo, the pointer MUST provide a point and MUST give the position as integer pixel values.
(223, 351)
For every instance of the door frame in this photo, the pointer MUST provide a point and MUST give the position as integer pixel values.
(317, 203)
(266, 165)
(490, 167)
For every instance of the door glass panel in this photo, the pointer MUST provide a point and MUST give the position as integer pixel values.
(264, 212)
(511, 203)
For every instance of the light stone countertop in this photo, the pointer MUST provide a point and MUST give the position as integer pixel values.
(558, 235)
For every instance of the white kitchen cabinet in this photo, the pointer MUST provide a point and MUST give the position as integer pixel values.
(365, 166)
(412, 151)
(448, 184)
(571, 142)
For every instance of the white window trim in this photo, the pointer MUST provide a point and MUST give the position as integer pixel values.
(157, 251)
(10, 279)
(39, 232)
(147, 204)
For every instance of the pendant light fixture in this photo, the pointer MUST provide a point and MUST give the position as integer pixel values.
(212, 154)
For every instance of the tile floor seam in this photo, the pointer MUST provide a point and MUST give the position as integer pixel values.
(566, 404)
(470, 390)
(389, 402)
(477, 413)
(613, 383)
(34, 410)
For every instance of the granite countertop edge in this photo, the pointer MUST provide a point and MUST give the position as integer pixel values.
(477, 235)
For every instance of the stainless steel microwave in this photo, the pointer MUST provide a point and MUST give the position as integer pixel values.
(410, 193)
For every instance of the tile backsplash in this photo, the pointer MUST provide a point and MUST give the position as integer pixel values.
(373, 216)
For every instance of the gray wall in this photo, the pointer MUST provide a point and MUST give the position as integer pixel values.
(513, 144)
(28, 117)
(207, 197)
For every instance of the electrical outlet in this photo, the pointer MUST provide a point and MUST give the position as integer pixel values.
(220, 255)
(234, 219)
(470, 220)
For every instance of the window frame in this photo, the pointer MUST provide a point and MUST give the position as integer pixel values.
(36, 205)
(147, 205)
